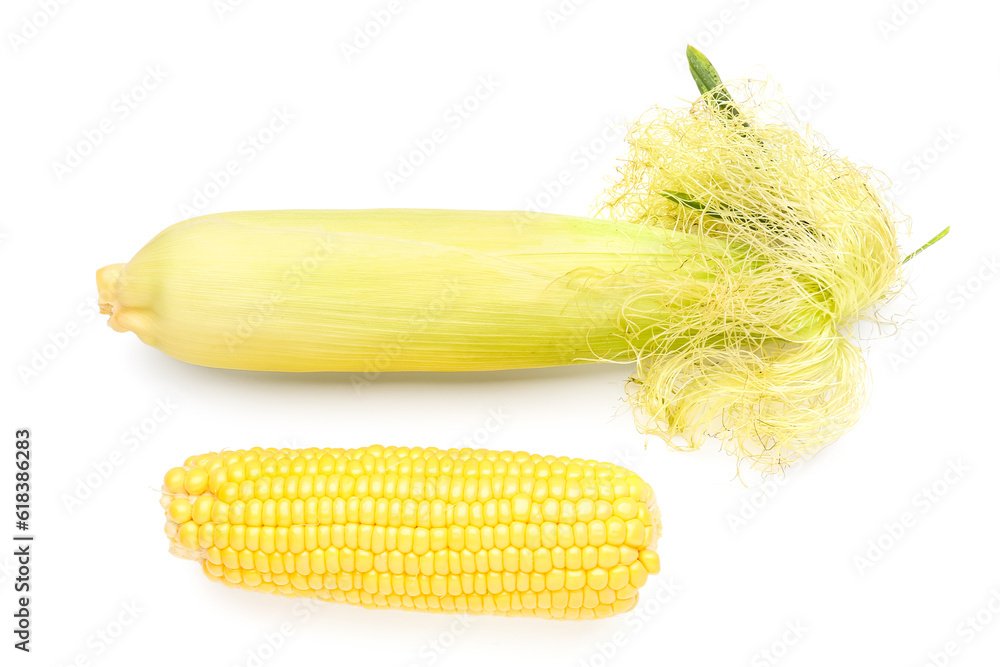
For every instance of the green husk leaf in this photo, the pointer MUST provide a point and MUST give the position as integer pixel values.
(937, 237)
(708, 80)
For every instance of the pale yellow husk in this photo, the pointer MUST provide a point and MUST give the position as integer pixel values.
(394, 289)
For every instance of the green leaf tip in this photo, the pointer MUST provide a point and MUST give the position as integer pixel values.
(683, 199)
(705, 75)
(937, 237)
(708, 80)
(720, 212)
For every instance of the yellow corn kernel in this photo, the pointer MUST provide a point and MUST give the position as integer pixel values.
(637, 574)
(650, 561)
(626, 508)
(575, 579)
(173, 481)
(179, 510)
(196, 481)
(635, 533)
(317, 561)
(627, 555)
(627, 591)
(618, 577)
(220, 535)
(542, 561)
(607, 556)
(206, 535)
(266, 539)
(465, 530)
(187, 536)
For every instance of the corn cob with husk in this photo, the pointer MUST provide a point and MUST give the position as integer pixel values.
(465, 530)
(733, 260)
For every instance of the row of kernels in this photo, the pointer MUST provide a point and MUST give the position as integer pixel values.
(517, 564)
(372, 458)
(510, 559)
(451, 489)
(548, 523)
(435, 584)
(301, 537)
(296, 539)
(374, 453)
(557, 538)
(563, 604)
(210, 472)
(509, 604)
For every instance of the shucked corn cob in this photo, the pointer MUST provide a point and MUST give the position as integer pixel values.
(464, 530)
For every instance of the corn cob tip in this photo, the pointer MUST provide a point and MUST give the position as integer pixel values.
(124, 311)
(107, 289)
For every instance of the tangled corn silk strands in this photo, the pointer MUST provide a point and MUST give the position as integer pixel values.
(799, 247)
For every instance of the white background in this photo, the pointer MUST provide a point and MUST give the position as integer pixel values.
(890, 83)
